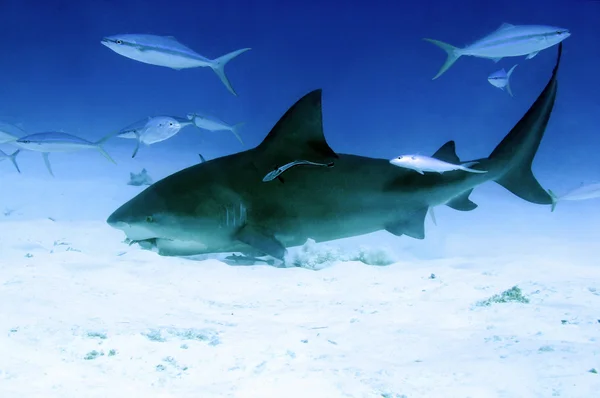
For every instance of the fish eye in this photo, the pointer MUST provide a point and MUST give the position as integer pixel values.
(25, 141)
(149, 219)
(399, 157)
(118, 41)
(170, 123)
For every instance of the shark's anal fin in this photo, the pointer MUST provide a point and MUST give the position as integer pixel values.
(462, 202)
(447, 153)
(261, 240)
(412, 225)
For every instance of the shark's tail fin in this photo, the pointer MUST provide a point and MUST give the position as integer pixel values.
(514, 155)
(13, 159)
(508, 89)
(218, 65)
(453, 55)
(99, 146)
(235, 129)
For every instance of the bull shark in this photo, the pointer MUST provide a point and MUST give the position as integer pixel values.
(222, 205)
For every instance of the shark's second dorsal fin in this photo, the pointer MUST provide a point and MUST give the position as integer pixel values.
(447, 153)
(297, 135)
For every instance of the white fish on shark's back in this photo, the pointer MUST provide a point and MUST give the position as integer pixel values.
(422, 164)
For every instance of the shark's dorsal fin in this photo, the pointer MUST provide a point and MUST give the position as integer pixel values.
(297, 135)
(447, 153)
(462, 202)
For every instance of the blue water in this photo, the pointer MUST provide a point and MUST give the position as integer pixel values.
(368, 57)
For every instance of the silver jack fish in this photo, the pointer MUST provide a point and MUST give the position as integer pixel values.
(591, 191)
(506, 41)
(212, 123)
(167, 51)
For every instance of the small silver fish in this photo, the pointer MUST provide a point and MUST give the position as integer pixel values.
(153, 129)
(55, 141)
(167, 51)
(591, 191)
(422, 164)
(12, 157)
(212, 123)
(280, 170)
(501, 79)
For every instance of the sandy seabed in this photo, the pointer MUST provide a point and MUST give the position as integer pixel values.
(85, 315)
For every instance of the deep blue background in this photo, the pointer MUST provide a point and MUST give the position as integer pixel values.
(368, 56)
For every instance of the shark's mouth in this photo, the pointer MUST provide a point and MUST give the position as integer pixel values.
(170, 247)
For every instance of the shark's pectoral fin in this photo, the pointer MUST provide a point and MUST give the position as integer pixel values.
(412, 225)
(462, 202)
(447, 153)
(261, 240)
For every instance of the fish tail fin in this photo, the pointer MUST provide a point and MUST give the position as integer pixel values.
(554, 199)
(513, 156)
(235, 132)
(454, 54)
(13, 159)
(47, 162)
(508, 79)
(99, 146)
(218, 65)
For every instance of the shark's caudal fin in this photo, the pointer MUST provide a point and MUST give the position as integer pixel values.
(514, 155)
(453, 55)
(297, 135)
(101, 142)
(218, 65)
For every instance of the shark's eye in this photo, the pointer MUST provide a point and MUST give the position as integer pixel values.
(149, 219)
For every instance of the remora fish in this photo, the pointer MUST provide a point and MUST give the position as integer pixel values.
(506, 41)
(55, 141)
(247, 260)
(213, 123)
(12, 157)
(421, 164)
(591, 191)
(167, 51)
(185, 213)
(152, 130)
(280, 170)
(501, 79)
